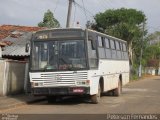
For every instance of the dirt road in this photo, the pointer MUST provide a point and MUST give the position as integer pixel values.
(140, 97)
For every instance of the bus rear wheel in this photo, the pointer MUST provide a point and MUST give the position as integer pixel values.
(96, 98)
(118, 90)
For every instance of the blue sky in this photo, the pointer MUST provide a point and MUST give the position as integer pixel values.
(30, 12)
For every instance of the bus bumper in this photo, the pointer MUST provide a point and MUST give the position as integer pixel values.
(61, 91)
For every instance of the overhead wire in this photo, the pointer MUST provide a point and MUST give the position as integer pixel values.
(84, 10)
(87, 12)
(103, 5)
(81, 7)
(56, 5)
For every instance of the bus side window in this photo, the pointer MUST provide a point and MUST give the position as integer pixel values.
(100, 44)
(124, 47)
(101, 49)
(118, 50)
(93, 62)
(122, 53)
(93, 44)
(113, 51)
(125, 51)
(107, 48)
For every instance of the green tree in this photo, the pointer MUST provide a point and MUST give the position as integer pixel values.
(151, 56)
(126, 24)
(154, 38)
(49, 21)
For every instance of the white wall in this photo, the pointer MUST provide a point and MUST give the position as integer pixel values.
(12, 74)
(151, 71)
(2, 66)
(0, 52)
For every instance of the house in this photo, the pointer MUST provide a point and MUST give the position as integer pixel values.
(14, 65)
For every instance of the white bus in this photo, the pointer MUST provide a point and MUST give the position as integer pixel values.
(73, 61)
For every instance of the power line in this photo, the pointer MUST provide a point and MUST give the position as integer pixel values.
(100, 5)
(81, 7)
(84, 10)
(56, 5)
(106, 5)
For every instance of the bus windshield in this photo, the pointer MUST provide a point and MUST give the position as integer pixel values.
(58, 55)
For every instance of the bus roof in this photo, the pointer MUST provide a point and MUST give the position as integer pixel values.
(112, 37)
(80, 29)
(59, 29)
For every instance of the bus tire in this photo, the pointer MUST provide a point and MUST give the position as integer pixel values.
(95, 99)
(51, 99)
(118, 90)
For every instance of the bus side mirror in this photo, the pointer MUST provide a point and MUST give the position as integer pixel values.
(27, 49)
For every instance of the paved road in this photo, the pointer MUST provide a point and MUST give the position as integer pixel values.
(138, 97)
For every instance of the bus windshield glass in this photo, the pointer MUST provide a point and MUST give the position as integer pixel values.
(58, 55)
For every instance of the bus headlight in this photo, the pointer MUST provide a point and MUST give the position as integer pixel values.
(84, 82)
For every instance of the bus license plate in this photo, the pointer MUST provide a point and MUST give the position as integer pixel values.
(78, 90)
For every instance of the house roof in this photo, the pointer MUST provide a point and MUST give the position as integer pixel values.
(6, 30)
(17, 48)
(16, 38)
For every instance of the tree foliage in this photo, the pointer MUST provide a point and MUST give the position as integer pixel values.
(154, 38)
(126, 24)
(151, 54)
(49, 21)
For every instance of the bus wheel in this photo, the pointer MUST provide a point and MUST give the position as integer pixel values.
(96, 98)
(118, 90)
(51, 99)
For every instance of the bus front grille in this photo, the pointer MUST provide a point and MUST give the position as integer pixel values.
(58, 78)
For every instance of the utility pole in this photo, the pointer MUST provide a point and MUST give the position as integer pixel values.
(141, 53)
(69, 13)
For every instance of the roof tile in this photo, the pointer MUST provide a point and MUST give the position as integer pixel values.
(6, 30)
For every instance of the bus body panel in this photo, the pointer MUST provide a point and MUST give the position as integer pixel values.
(111, 71)
(93, 76)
